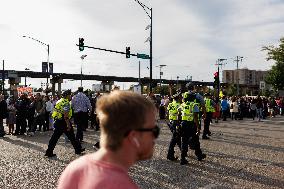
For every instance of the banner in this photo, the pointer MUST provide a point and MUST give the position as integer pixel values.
(27, 90)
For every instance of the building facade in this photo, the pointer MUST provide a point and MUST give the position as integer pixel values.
(245, 76)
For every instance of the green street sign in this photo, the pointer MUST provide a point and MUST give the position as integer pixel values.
(143, 56)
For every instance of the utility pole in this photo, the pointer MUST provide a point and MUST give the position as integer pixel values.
(3, 78)
(239, 58)
(219, 63)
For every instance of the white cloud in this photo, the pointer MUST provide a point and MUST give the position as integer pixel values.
(188, 35)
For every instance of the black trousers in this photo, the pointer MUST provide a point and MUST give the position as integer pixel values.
(46, 119)
(60, 127)
(21, 124)
(38, 120)
(188, 132)
(207, 121)
(30, 122)
(175, 140)
(81, 121)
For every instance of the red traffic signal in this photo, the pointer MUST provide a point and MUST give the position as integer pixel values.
(216, 74)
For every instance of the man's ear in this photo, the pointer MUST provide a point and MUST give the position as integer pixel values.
(133, 139)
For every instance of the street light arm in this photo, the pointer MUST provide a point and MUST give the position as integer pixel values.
(36, 40)
(143, 6)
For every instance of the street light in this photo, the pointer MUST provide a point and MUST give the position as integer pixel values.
(47, 58)
(151, 37)
(239, 58)
(161, 73)
(26, 69)
(82, 58)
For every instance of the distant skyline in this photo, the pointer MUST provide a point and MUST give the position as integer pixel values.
(188, 36)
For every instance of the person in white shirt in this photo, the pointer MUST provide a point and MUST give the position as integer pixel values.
(48, 109)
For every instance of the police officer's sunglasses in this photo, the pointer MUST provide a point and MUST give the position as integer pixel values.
(155, 130)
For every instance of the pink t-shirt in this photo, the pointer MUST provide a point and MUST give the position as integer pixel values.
(87, 173)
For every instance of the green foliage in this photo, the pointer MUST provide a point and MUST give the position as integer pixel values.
(231, 90)
(275, 76)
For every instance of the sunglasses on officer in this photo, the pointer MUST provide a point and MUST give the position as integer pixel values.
(155, 130)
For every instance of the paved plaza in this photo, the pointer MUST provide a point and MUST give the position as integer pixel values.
(240, 154)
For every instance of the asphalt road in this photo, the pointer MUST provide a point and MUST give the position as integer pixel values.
(240, 154)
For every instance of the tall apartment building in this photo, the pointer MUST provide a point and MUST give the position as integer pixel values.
(246, 76)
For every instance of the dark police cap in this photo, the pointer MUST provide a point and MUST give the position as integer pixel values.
(66, 93)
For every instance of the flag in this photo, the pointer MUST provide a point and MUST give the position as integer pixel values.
(148, 39)
(148, 27)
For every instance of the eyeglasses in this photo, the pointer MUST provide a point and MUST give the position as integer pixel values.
(155, 130)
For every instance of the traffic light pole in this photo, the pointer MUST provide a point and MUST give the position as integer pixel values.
(151, 39)
(47, 70)
(219, 62)
(151, 57)
(218, 88)
(108, 50)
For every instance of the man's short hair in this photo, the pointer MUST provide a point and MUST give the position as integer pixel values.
(120, 112)
(66, 93)
(80, 89)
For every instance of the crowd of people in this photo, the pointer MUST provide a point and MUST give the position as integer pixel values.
(233, 107)
(125, 120)
(29, 114)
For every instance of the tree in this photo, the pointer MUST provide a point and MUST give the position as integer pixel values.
(275, 76)
(231, 90)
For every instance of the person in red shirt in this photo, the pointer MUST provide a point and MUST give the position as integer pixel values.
(128, 133)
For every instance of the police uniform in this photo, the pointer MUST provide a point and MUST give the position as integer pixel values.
(189, 128)
(209, 105)
(62, 107)
(174, 126)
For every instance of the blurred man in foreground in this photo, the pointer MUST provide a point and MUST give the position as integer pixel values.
(128, 133)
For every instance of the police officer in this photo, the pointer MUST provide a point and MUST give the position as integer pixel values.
(62, 114)
(198, 98)
(209, 105)
(174, 126)
(190, 127)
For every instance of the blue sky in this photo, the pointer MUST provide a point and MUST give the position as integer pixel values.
(188, 35)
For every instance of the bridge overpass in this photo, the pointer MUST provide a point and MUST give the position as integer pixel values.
(60, 76)
(14, 75)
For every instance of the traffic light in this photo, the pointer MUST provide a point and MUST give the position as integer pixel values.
(127, 52)
(81, 44)
(216, 80)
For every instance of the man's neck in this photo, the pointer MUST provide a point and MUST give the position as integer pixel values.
(118, 157)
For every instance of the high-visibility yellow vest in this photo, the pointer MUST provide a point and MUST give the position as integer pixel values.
(208, 105)
(58, 112)
(187, 111)
(173, 110)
